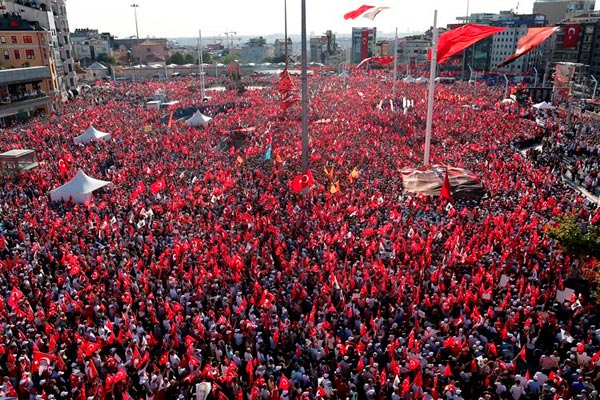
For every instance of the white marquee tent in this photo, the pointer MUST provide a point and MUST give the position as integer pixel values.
(198, 119)
(544, 105)
(79, 189)
(90, 135)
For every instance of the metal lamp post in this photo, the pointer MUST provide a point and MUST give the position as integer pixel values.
(137, 32)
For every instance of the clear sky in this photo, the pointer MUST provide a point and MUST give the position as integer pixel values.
(183, 18)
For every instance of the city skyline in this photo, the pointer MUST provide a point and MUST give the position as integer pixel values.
(265, 17)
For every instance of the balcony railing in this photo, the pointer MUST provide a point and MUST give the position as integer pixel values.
(23, 97)
(14, 107)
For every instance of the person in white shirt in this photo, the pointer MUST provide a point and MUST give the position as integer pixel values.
(517, 390)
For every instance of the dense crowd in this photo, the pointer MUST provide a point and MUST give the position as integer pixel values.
(222, 274)
(573, 150)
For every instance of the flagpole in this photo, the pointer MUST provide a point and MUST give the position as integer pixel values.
(395, 64)
(305, 160)
(201, 64)
(432, 71)
(285, 34)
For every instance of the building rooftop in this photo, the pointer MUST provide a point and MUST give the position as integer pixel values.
(16, 75)
(13, 22)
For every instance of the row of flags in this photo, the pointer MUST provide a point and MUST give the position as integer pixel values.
(456, 40)
(364, 11)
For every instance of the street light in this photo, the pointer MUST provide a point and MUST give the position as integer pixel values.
(137, 33)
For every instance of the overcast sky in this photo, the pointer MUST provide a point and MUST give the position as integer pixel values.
(183, 18)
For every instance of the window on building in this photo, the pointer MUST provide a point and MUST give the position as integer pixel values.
(68, 53)
(30, 54)
(2, 39)
(6, 55)
(13, 39)
(72, 81)
(27, 39)
(70, 67)
(17, 54)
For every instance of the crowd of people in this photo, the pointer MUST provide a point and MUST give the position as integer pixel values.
(201, 265)
(575, 151)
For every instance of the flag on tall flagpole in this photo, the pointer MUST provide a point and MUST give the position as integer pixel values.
(531, 40)
(456, 40)
(372, 13)
(358, 12)
(383, 60)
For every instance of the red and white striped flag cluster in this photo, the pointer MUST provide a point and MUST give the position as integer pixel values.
(287, 90)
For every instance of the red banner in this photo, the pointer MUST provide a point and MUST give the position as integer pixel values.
(364, 45)
(572, 33)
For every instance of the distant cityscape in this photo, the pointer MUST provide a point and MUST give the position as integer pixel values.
(46, 62)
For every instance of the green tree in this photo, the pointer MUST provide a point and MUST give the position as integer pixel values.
(106, 59)
(230, 57)
(176, 58)
(574, 237)
(189, 59)
(581, 240)
(206, 58)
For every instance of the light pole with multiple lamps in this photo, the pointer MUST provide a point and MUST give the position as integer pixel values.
(137, 32)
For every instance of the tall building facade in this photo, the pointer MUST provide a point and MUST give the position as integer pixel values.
(52, 16)
(557, 10)
(363, 44)
(89, 44)
(413, 49)
(324, 49)
(490, 52)
(256, 50)
(29, 78)
(280, 48)
(584, 47)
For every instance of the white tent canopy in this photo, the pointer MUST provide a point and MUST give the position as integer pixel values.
(198, 119)
(79, 189)
(544, 105)
(91, 135)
